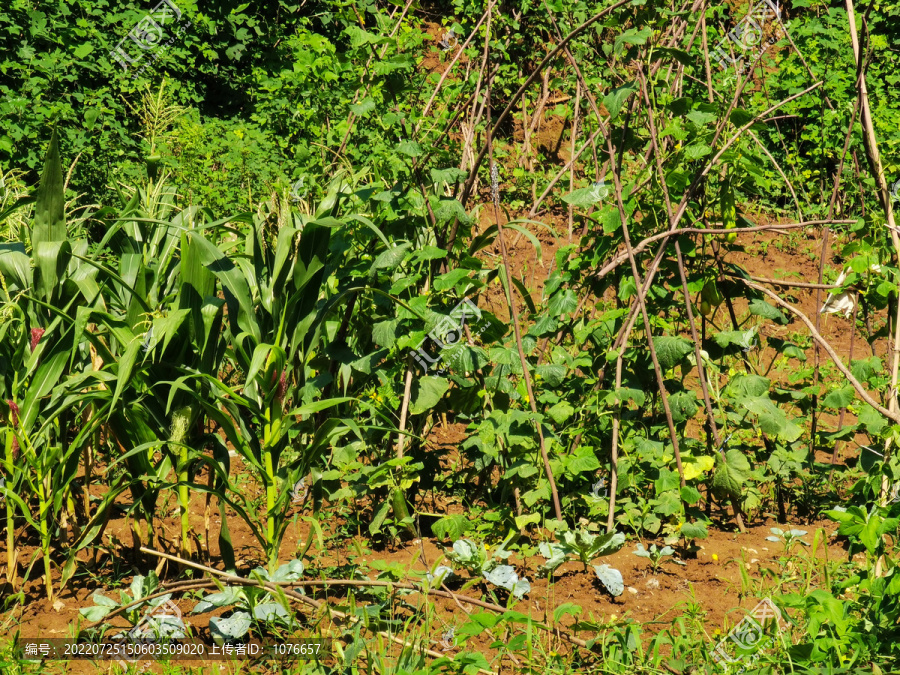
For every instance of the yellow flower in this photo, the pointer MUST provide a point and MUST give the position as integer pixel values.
(715, 558)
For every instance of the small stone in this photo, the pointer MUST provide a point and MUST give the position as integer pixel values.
(754, 560)
(652, 584)
(633, 591)
(764, 548)
(753, 551)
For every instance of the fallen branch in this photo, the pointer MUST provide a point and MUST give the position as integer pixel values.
(863, 394)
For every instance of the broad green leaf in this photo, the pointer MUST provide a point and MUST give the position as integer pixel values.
(731, 474)
(670, 350)
(772, 419)
(613, 100)
(683, 405)
(15, 266)
(556, 555)
(233, 628)
(240, 307)
(584, 197)
(451, 526)
(840, 398)
(95, 613)
(564, 301)
(427, 391)
(560, 412)
(760, 307)
(364, 107)
(747, 386)
(745, 339)
(871, 420)
(697, 530)
(49, 205)
(631, 36)
(611, 578)
(690, 494)
(51, 259)
(390, 259)
(450, 279)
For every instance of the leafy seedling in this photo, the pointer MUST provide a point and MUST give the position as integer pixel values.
(657, 556)
(787, 537)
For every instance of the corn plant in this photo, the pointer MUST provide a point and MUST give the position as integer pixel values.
(39, 342)
(274, 293)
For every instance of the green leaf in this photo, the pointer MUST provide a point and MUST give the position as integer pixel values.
(234, 627)
(631, 36)
(872, 420)
(584, 197)
(427, 391)
(15, 266)
(611, 578)
(391, 258)
(451, 526)
(614, 100)
(739, 338)
(560, 412)
(240, 307)
(624, 394)
(747, 386)
(731, 474)
(450, 279)
(564, 301)
(409, 148)
(690, 494)
(840, 398)
(364, 107)
(51, 259)
(450, 175)
(670, 350)
(384, 333)
(556, 555)
(760, 307)
(49, 205)
(669, 503)
(696, 530)
(583, 461)
(683, 405)
(94, 613)
(772, 419)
